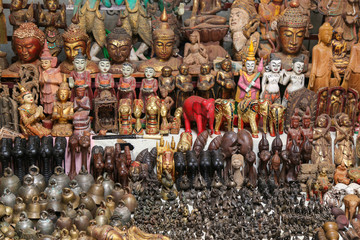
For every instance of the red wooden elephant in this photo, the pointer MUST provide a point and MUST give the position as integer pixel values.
(201, 111)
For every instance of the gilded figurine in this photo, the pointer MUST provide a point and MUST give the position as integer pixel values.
(248, 112)
(183, 84)
(322, 151)
(19, 14)
(249, 81)
(75, 39)
(50, 80)
(104, 80)
(31, 115)
(270, 81)
(28, 42)
(296, 77)
(118, 44)
(165, 158)
(344, 141)
(336, 103)
(164, 127)
(152, 111)
(224, 112)
(322, 101)
(352, 72)
(339, 50)
(163, 44)
(292, 28)
(244, 21)
(138, 107)
(352, 99)
(52, 20)
(322, 61)
(277, 119)
(206, 82)
(127, 83)
(195, 53)
(185, 142)
(225, 79)
(149, 85)
(176, 121)
(167, 83)
(125, 111)
(63, 112)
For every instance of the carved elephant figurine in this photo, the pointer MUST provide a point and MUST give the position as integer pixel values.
(224, 110)
(248, 112)
(276, 115)
(351, 202)
(200, 110)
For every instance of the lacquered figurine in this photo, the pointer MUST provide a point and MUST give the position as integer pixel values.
(63, 112)
(167, 83)
(127, 83)
(322, 61)
(322, 140)
(138, 107)
(249, 81)
(306, 129)
(276, 113)
(344, 141)
(149, 85)
(183, 84)
(19, 13)
(82, 107)
(195, 53)
(80, 77)
(237, 165)
(163, 44)
(341, 174)
(165, 160)
(248, 112)
(339, 50)
(295, 77)
(50, 79)
(200, 110)
(225, 79)
(118, 44)
(31, 115)
(52, 20)
(152, 111)
(125, 110)
(352, 72)
(270, 81)
(294, 132)
(265, 157)
(250, 171)
(104, 80)
(28, 42)
(224, 111)
(76, 39)
(185, 142)
(164, 127)
(206, 82)
(176, 122)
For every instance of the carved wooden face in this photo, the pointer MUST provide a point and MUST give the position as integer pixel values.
(28, 49)
(72, 49)
(52, 5)
(119, 51)
(238, 19)
(163, 48)
(291, 39)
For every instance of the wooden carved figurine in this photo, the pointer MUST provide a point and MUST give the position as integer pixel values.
(164, 127)
(84, 143)
(167, 83)
(152, 111)
(31, 115)
(176, 122)
(344, 141)
(294, 132)
(275, 167)
(109, 166)
(184, 85)
(276, 113)
(104, 80)
(137, 111)
(271, 79)
(341, 174)
(225, 79)
(250, 171)
(127, 83)
(337, 100)
(322, 61)
(322, 140)
(82, 108)
(295, 161)
(19, 13)
(224, 111)
(73, 148)
(125, 111)
(237, 165)
(165, 159)
(63, 112)
(149, 85)
(339, 50)
(265, 157)
(206, 82)
(195, 53)
(306, 129)
(352, 72)
(97, 157)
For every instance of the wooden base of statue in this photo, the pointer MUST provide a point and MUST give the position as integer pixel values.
(106, 112)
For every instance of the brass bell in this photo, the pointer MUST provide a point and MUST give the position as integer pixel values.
(110, 203)
(96, 191)
(101, 218)
(88, 202)
(33, 209)
(19, 207)
(68, 196)
(54, 205)
(43, 201)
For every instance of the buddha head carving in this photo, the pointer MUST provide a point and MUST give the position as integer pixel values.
(74, 40)
(18, 4)
(28, 42)
(119, 44)
(163, 39)
(292, 27)
(51, 5)
(325, 33)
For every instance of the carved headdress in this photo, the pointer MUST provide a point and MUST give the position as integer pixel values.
(74, 33)
(293, 16)
(23, 91)
(307, 114)
(64, 86)
(119, 34)
(29, 29)
(164, 31)
(296, 116)
(251, 53)
(46, 55)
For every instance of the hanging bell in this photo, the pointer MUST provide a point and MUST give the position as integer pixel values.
(68, 196)
(53, 190)
(81, 221)
(62, 179)
(110, 203)
(39, 180)
(88, 202)
(84, 179)
(65, 234)
(8, 198)
(74, 186)
(10, 181)
(108, 184)
(45, 225)
(19, 207)
(74, 232)
(43, 201)
(85, 211)
(23, 224)
(101, 219)
(96, 191)
(28, 190)
(33, 209)
(129, 200)
(54, 204)
(64, 222)
(118, 192)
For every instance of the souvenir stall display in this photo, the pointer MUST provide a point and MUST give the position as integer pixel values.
(167, 123)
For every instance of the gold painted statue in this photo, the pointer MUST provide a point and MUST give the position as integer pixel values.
(63, 112)
(152, 111)
(185, 142)
(165, 126)
(137, 111)
(344, 141)
(74, 40)
(204, 13)
(19, 14)
(163, 45)
(225, 79)
(183, 84)
(339, 50)
(206, 82)
(125, 110)
(31, 115)
(224, 112)
(165, 158)
(168, 190)
(322, 140)
(176, 121)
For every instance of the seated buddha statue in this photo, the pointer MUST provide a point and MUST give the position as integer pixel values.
(204, 12)
(63, 112)
(74, 40)
(28, 42)
(291, 29)
(339, 50)
(163, 45)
